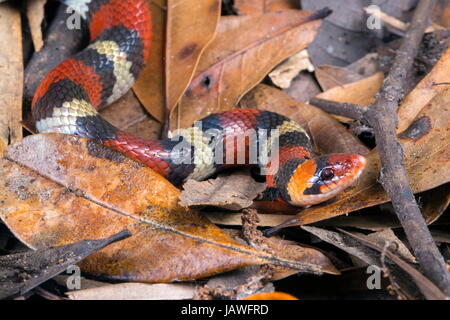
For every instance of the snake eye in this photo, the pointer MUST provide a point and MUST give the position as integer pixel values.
(327, 174)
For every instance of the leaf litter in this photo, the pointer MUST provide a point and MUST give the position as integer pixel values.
(87, 192)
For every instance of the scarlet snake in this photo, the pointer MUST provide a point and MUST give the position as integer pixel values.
(120, 34)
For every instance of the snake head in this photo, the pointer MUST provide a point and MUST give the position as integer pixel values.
(321, 178)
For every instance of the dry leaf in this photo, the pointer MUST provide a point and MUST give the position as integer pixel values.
(435, 82)
(187, 38)
(178, 42)
(387, 235)
(231, 192)
(136, 291)
(255, 7)
(441, 14)
(332, 76)
(361, 92)
(11, 76)
(289, 250)
(239, 283)
(150, 86)
(283, 75)
(35, 15)
(303, 87)
(127, 114)
(366, 66)
(59, 189)
(295, 251)
(435, 202)
(428, 288)
(235, 219)
(242, 54)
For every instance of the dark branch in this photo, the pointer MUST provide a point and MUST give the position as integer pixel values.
(382, 116)
(348, 110)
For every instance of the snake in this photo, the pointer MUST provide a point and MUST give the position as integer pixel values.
(68, 99)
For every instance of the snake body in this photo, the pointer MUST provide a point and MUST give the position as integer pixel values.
(120, 32)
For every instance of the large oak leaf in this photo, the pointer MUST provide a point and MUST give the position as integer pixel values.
(243, 52)
(58, 189)
(181, 31)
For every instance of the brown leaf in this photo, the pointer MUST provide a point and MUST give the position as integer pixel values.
(244, 51)
(290, 250)
(59, 189)
(187, 38)
(237, 284)
(429, 87)
(332, 76)
(363, 92)
(177, 44)
(127, 114)
(426, 150)
(231, 192)
(297, 252)
(360, 92)
(327, 133)
(11, 75)
(441, 14)
(255, 7)
(235, 219)
(366, 66)
(387, 235)
(35, 15)
(303, 87)
(136, 291)
(150, 86)
(283, 75)
(435, 202)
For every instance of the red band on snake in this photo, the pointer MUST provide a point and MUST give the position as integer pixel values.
(120, 32)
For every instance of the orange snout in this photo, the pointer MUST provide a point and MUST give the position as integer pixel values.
(322, 178)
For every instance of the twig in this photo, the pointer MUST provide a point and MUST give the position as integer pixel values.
(429, 289)
(382, 117)
(387, 273)
(348, 110)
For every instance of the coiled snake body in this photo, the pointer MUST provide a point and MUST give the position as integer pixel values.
(120, 34)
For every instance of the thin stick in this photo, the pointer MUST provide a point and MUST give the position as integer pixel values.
(382, 116)
(348, 110)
